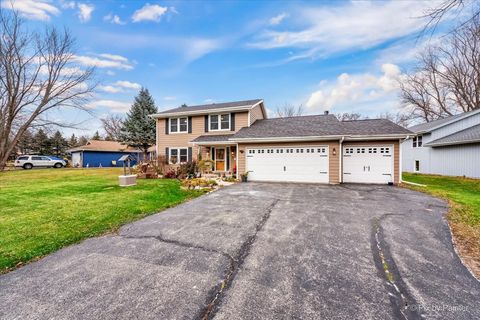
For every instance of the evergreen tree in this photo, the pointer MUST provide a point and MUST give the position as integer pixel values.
(58, 143)
(42, 144)
(139, 129)
(25, 144)
(96, 136)
(73, 142)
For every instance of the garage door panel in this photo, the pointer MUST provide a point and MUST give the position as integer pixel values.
(368, 164)
(293, 164)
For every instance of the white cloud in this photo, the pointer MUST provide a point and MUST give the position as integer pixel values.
(351, 26)
(350, 91)
(120, 86)
(199, 47)
(68, 4)
(113, 18)
(110, 72)
(105, 61)
(128, 85)
(149, 12)
(117, 106)
(278, 19)
(170, 98)
(32, 9)
(85, 12)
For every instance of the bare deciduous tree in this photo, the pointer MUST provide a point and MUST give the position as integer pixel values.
(345, 116)
(112, 125)
(446, 79)
(289, 110)
(37, 75)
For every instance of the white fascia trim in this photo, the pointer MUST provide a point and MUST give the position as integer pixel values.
(213, 143)
(200, 112)
(451, 143)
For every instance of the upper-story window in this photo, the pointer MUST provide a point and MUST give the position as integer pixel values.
(417, 141)
(219, 122)
(178, 125)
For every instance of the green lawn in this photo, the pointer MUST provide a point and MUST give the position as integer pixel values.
(44, 210)
(464, 192)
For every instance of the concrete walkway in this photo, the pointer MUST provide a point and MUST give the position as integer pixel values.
(260, 251)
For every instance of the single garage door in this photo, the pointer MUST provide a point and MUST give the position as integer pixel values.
(294, 164)
(368, 164)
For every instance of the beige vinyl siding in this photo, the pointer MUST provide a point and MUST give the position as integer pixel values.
(198, 129)
(333, 159)
(396, 153)
(256, 114)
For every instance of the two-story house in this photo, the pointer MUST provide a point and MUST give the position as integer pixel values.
(238, 138)
(448, 146)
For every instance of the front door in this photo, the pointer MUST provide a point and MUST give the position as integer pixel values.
(220, 159)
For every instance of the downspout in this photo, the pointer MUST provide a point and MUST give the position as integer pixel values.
(340, 160)
(236, 161)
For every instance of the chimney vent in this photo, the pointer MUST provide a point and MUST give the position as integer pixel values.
(325, 112)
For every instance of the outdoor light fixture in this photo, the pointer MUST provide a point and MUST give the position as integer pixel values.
(334, 152)
(241, 151)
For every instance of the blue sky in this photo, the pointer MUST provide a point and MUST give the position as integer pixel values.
(340, 56)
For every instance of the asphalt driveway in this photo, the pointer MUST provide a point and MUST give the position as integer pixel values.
(260, 251)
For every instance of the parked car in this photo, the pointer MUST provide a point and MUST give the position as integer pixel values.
(28, 162)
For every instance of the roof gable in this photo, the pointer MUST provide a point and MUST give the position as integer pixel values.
(105, 146)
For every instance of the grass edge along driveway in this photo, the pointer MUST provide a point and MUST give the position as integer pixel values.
(463, 196)
(44, 210)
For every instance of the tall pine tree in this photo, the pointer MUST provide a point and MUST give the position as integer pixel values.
(139, 129)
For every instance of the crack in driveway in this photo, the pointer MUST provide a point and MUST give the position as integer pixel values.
(403, 303)
(219, 290)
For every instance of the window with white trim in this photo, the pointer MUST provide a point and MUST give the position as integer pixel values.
(178, 155)
(218, 122)
(179, 125)
(417, 141)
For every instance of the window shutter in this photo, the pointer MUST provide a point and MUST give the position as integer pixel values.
(189, 124)
(228, 158)
(167, 155)
(189, 155)
(166, 126)
(206, 123)
(232, 121)
(213, 153)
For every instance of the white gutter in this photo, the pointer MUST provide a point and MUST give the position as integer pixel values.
(430, 144)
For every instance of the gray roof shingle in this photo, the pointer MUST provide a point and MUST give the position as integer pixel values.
(318, 125)
(427, 127)
(469, 135)
(212, 106)
(213, 138)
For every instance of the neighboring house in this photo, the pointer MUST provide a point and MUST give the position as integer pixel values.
(97, 153)
(238, 137)
(449, 146)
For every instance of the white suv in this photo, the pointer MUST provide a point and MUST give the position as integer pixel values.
(28, 162)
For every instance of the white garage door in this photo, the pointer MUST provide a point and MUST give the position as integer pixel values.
(368, 164)
(294, 164)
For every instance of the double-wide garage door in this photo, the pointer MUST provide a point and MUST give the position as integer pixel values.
(368, 164)
(294, 164)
